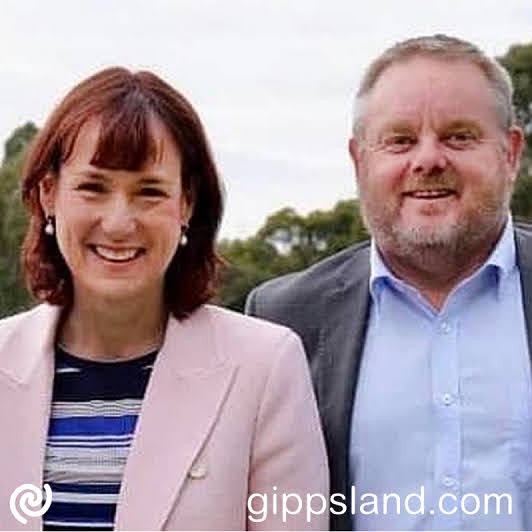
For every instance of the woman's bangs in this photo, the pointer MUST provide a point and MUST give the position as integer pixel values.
(126, 141)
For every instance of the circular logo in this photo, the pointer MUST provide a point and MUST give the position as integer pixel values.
(29, 500)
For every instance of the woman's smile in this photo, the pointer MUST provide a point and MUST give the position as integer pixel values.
(117, 255)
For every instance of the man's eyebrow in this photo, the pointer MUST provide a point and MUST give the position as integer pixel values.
(464, 124)
(397, 126)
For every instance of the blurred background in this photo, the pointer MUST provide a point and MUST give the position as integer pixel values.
(273, 82)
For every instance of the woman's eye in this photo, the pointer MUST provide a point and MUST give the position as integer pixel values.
(91, 187)
(153, 192)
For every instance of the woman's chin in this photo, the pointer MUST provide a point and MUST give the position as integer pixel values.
(117, 290)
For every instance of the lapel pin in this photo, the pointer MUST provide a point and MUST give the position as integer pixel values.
(198, 471)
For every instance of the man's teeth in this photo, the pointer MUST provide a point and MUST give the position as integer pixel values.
(430, 193)
(117, 254)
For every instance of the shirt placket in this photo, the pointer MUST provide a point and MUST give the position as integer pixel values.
(448, 437)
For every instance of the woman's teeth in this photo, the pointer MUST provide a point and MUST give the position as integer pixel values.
(117, 255)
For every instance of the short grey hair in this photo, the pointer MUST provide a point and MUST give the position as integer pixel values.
(442, 47)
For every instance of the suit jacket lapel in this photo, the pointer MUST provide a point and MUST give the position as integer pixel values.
(342, 337)
(188, 386)
(523, 243)
(26, 376)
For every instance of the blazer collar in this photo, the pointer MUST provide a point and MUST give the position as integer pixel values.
(189, 384)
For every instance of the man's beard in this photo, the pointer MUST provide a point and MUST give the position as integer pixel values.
(438, 249)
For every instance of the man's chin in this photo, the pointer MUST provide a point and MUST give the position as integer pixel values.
(427, 236)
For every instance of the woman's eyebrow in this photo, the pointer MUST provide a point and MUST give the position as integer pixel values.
(93, 174)
(152, 180)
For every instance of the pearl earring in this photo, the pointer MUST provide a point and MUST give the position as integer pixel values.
(49, 228)
(183, 240)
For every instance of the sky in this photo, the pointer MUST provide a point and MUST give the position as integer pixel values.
(272, 80)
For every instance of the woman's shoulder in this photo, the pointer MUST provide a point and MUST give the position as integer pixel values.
(246, 338)
(38, 316)
(237, 325)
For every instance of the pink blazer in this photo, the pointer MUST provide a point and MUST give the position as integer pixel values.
(229, 411)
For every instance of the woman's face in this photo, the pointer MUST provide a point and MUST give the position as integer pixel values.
(117, 230)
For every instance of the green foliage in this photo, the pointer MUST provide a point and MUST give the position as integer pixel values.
(13, 294)
(287, 242)
(518, 62)
(18, 141)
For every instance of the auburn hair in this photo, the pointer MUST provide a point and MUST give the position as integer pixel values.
(125, 102)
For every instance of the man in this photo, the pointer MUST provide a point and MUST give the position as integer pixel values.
(419, 341)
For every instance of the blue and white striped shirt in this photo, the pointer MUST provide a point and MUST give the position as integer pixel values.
(95, 406)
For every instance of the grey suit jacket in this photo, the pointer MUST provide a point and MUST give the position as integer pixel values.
(328, 306)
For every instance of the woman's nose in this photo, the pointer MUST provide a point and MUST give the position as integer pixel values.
(119, 218)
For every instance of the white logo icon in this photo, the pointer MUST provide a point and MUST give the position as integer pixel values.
(31, 496)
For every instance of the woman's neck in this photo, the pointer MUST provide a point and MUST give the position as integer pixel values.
(109, 330)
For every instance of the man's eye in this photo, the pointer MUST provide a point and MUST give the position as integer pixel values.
(399, 143)
(460, 138)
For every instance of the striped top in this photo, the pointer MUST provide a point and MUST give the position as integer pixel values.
(95, 406)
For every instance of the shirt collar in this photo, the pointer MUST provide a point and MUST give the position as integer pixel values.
(502, 259)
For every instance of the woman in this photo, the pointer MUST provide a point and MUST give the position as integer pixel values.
(141, 406)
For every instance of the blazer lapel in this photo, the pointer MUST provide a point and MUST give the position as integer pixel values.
(188, 386)
(342, 337)
(523, 243)
(26, 376)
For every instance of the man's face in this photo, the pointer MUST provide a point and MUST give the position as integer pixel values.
(434, 167)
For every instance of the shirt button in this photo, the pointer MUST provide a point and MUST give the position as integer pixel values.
(445, 327)
(447, 399)
(448, 482)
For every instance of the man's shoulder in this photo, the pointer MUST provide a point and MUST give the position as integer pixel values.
(523, 240)
(523, 229)
(306, 285)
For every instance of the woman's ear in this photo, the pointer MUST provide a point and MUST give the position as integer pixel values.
(187, 207)
(47, 187)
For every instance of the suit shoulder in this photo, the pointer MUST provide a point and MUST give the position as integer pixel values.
(311, 282)
(251, 341)
(523, 229)
(238, 327)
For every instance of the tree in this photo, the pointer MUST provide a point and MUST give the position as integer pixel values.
(518, 62)
(286, 242)
(13, 294)
(249, 262)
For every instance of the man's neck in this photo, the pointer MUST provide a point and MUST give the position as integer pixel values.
(436, 272)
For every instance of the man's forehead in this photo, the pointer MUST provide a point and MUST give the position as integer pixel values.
(452, 90)
(420, 74)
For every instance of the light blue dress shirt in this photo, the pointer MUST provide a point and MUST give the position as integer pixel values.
(444, 401)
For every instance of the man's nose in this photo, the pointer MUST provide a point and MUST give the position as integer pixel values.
(429, 156)
(119, 218)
